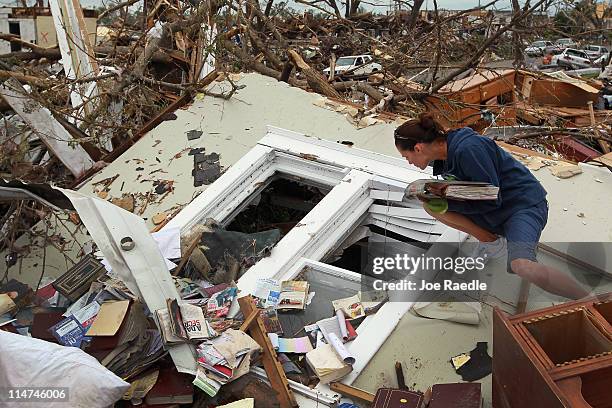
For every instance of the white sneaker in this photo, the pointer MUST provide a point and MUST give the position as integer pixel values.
(490, 250)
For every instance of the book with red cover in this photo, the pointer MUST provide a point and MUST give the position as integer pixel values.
(394, 398)
(171, 387)
(464, 395)
(41, 323)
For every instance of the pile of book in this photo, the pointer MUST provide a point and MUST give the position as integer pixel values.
(224, 359)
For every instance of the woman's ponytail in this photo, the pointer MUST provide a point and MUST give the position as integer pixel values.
(424, 129)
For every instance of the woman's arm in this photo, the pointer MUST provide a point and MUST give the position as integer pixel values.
(477, 163)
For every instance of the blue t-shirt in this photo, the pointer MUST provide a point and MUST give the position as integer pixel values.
(472, 157)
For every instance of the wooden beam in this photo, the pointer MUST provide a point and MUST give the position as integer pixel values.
(273, 367)
(351, 392)
(249, 321)
(523, 298)
(192, 246)
(47, 128)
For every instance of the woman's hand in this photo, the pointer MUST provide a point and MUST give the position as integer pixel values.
(435, 205)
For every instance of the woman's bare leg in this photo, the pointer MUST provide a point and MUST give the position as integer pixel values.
(549, 279)
(463, 223)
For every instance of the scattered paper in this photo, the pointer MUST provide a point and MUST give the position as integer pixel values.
(140, 386)
(460, 312)
(341, 350)
(351, 307)
(219, 304)
(86, 315)
(298, 345)
(169, 242)
(342, 324)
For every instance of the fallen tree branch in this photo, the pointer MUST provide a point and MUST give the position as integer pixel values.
(476, 56)
(315, 80)
(116, 7)
(32, 80)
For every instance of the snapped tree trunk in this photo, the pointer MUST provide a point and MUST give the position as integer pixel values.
(315, 80)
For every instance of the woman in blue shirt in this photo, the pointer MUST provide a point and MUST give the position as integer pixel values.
(518, 215)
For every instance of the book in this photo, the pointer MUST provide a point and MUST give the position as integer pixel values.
(43, 320)
(326, 364)
(109, 318)
(351, 307)
(171, 387)
(393, 398)
(181, 322)
(219, 303)
(293, 295)
(298, 345)
(68, 332)
(206, 384)
(271, 321)
(77, 280)
(267, 293)
(452, 189)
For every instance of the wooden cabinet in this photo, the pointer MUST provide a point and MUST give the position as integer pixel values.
(556, 357)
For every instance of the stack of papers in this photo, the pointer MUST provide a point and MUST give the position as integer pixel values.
(224, 359)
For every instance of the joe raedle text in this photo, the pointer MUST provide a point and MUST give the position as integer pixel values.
(446, 285)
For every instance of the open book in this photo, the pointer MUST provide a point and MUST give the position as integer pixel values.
(327, 364)
(452, 189)
(181, 322)
(293, 295)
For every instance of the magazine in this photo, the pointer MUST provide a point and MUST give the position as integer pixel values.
(452, 189)
(293, 295)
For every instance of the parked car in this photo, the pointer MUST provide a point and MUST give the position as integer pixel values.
(572, 59)
(603, 61)
(595, 51)
(358, 65)
(541, 48)
(566, 43)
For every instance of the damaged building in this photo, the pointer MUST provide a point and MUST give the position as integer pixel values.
(196, 214)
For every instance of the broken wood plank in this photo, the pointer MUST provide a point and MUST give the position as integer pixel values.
(192, 246)
(249, 321)
(523, 298)
(273, 367)
(51, 132)
(399, 372)
(352, 392)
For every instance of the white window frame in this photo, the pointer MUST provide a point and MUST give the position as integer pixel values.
(357, 178)
(353, 174)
